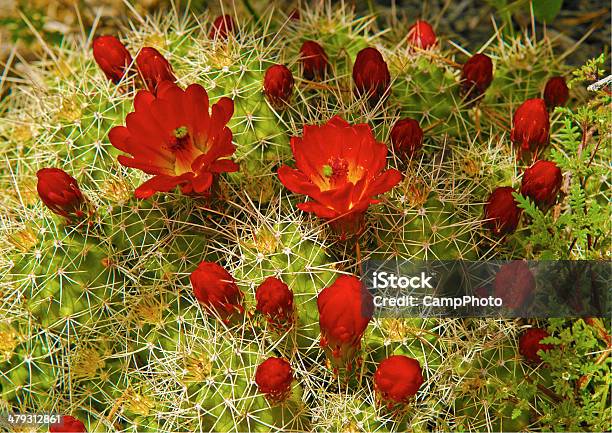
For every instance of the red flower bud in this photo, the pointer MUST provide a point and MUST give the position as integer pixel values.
(531, 125)
(422, 35)
(68, 424)
(398, 378)
(476, 75)
(278, 85)
(223, 26)
(314, 61)
(153, 68)
(529, 344)
(541, 183)
(295, 15)
(406, 138)
(60, 192)
(215, 288)
(275, 301)
(502, 211)
(273, 378)
(112, 57)
(371, 75)
(514, 283)
(345, 308)
(556, 92)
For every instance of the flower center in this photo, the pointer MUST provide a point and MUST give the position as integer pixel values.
(180, 139)
(336, 170)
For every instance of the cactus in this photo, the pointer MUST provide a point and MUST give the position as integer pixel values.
(98, 316)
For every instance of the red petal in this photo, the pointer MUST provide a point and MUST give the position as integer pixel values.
(384, 182)
(202, 182)
(318, 209)
(160, 183)
(224, 108)
(223, 166)
(296, 181)
(147, 167)
(195, 106)
(142, 101)
(118, 137)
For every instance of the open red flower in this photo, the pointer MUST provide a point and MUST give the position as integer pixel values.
(68, 424)
(502, 212)
(275, 301)
(215, 288)
(371, 75)
(531, 125)
(422, 35)
(476, 75)
(60, 192)
(223, 26)
(153, 68)
(174, 137)
(514, 283)
(315, 64)
(529, 344)
(278, 85)
(398, 378)
(341, 167)
(112, 57)
(542, 182)
(406, 138)
(345, 309)
(273, 378)
(556, 92)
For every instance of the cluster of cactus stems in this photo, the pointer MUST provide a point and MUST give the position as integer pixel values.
(229, 301)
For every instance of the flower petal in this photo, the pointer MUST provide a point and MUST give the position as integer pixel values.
(296, 181)
(318, 209)
(160, 183)
(223, 166)
(385, 182)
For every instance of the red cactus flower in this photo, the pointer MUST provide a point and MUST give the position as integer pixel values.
(273, 378)
(531, 125)
(278, 85)
(340, 167)
(502, 211)
(406, 138)
(60, 192)
(315, 64)
(371, 75)
(223, 26)
(215, 288)
(68, 424)
(398, 378)
(153, 68)
(514, 283)
(112, 57)
(345, 308)
(556, 92)
(476, 75)
(542, 182)
(529, 344)
(275, 301)
(174, 137)
(422, 35)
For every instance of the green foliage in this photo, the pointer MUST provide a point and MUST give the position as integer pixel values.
(579, 375)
